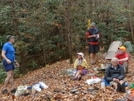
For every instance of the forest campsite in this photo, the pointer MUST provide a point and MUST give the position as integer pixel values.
(67, 50)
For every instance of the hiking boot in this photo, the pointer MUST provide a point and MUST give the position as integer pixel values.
(123, 88)
(5, 91)
(79, 78)
(13, 90)
(118, 87)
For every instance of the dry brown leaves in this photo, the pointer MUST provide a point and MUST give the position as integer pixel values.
(54, 76)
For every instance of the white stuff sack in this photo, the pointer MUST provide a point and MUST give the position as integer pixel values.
(92, 81)
(21, 90)
(43, 85)
(37, 87)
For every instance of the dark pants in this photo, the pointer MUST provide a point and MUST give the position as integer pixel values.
(93, 48)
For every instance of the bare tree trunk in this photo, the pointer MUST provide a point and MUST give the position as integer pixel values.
(90, 3)
(15, 20)
(131, 27)
(131, 23)
(68, 29)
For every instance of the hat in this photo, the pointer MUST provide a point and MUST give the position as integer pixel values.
(81, 54)
(122, 48)
(9, 37)
(93, 24)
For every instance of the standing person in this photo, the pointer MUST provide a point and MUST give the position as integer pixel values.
(115, 74)
(123, 58)
(8, 55)
(92, 36)
(80, 65)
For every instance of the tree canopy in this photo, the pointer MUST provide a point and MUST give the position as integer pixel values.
(50, 30)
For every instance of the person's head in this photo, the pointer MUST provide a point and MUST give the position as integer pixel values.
(93, 24)
(114, 62)
(80, 55)
(11, 39)
(122, 50)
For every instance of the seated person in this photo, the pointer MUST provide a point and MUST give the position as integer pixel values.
(80, 65)
(115, 74)
(123, 58)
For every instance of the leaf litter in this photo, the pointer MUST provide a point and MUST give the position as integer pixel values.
(61, 88)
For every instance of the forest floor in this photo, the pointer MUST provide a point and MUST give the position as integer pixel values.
(60, 85)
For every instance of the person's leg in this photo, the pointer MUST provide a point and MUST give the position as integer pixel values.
(9, 75)
(115, 85)
(118, 89)
(92, 58)
(89, 47)
(125, 65)
(122, 86)
(12, 79)
(78, 74)
(96, 50)
(91, 52)
(9, 68)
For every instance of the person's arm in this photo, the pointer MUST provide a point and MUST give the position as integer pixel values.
(122, 73)
(107, 77)
(124, 59)
(75, 63)
(17, 64)
(85, 64)
(4, 57)
(89, 36)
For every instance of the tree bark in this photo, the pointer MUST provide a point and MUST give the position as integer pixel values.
(15, 20)
(68, 29)
(131, 24)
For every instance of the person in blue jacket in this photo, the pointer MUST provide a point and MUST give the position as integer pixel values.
(8, 55)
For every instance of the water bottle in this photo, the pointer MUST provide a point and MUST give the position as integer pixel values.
(102, 84)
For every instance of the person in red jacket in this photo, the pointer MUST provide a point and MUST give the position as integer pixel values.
(92, 36)
(123, 58)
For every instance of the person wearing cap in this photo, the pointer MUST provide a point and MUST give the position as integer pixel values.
(115, 75)
(123, 57)
(80, 65)
(92, 36)
(8, 55)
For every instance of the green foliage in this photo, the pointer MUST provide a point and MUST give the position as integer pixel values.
(33, 64)
(2, 75)
(41, 31)
(110, 34)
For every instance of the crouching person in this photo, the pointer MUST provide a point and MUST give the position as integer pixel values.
(115, 74)
(123, 58)
(81, 66)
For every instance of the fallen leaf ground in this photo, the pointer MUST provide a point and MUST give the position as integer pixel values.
(60, 84)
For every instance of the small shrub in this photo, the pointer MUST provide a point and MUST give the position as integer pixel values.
(2, 75)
